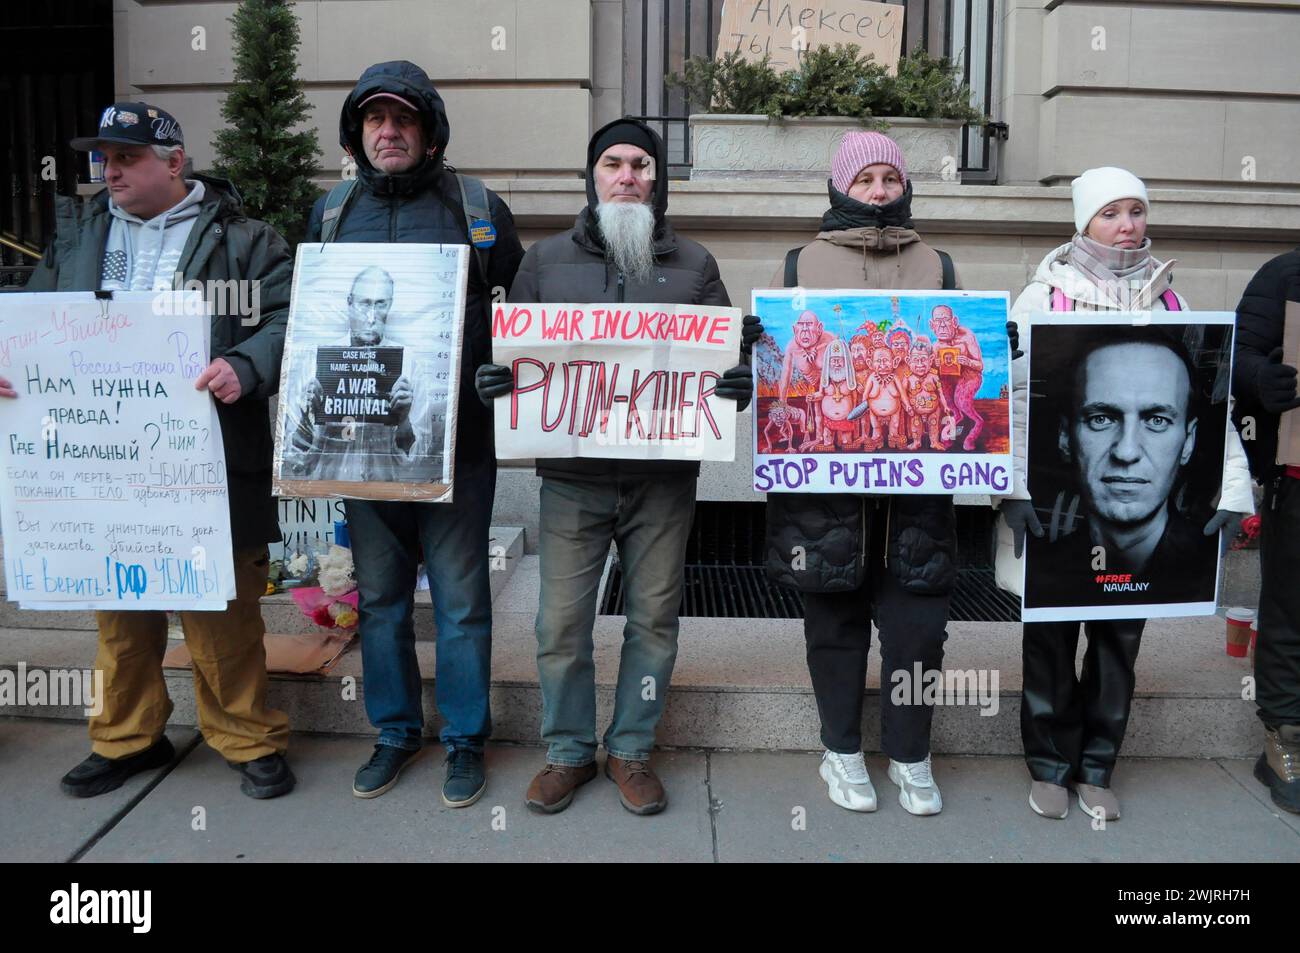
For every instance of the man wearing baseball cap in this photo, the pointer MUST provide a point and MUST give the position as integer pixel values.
(154, 228)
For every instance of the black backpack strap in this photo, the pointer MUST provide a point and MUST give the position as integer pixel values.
(335, 204)
(949, 273)
(792, 267)
(478, 220)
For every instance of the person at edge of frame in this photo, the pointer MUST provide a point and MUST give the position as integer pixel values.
(1264, 385)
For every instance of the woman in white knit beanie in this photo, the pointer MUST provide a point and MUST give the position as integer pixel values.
(1072, 729)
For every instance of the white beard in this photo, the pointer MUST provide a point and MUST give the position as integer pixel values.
(628, 230)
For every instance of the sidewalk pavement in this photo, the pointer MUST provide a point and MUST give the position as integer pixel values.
(724, 806)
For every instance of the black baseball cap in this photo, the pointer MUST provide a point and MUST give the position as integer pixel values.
(133, 124)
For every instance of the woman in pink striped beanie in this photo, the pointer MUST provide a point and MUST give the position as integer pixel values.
(857, 169)
(867, 241)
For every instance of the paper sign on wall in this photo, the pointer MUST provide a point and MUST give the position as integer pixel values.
(784, 29)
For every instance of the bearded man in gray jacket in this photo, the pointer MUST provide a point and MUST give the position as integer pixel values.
(622, 247)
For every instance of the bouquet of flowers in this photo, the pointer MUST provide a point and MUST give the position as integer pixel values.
(333, 603)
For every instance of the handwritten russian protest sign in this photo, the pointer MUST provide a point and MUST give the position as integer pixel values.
(882, 392)
(785, 29)
(631, 381)
(371, 372)
(113, 493)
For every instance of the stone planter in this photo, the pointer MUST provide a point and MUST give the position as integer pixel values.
(732, 146)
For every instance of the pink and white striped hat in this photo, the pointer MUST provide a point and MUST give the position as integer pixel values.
(860, 149)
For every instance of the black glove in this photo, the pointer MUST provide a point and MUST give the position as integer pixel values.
(1020, 516)
(736, 383)
(493, 381)
(1275, 384)
(1013, 335)
(751, 329)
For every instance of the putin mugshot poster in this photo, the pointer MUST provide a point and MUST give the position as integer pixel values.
(371, 372)
(882, 392)
(1128, 422)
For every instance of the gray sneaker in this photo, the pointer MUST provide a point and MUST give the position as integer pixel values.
(1097, 801)
(1049, 800)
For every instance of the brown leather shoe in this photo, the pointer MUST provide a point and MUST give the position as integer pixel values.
(639, 788)
(553, 787)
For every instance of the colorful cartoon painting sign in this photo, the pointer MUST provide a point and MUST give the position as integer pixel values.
(882, 392)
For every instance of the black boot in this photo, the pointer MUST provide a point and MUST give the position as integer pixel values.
(98, 775)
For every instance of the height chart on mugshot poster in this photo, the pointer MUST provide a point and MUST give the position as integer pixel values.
(113, 493)
(882, 392)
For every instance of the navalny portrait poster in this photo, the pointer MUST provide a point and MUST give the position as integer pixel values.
(1128, 416)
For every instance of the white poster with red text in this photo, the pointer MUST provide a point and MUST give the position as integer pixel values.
(629, 381)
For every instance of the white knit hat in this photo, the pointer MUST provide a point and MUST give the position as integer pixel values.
(1097, 188)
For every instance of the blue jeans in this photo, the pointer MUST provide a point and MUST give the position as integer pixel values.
(387, 538)
(650, 521)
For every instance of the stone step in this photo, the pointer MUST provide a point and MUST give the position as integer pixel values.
(279, 611)
(743, 684)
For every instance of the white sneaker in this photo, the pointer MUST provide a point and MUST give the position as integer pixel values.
(846, 777)
(917, 791)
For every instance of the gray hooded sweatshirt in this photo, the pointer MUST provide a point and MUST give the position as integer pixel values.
(142, 256)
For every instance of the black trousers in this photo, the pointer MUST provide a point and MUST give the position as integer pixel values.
(1073, 725)
(837, 628)
(1277, 648)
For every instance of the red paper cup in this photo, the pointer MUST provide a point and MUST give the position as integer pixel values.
(1239, 621)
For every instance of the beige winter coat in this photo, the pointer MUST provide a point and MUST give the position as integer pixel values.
(869, 258)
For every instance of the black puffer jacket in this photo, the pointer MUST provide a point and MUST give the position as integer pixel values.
(819, 542)
(424, 205)
(571, 266)
(1260, 318)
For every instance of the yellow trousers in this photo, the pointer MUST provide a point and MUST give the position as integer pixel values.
(229, 674)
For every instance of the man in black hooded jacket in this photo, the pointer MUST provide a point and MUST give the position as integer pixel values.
(395, 126)
(1264, 384)
(621, 248)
